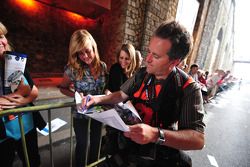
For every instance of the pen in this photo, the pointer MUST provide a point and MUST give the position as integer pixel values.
(85, 106)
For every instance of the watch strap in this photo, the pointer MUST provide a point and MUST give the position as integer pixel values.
(161, 138)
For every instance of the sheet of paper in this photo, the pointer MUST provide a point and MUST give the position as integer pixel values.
(55, 125)
(130, 106)
(109, 116)
(13, 68)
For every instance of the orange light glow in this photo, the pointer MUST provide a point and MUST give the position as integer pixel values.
(29, 5)
(79, 19)
(34, 8)
(75, 16)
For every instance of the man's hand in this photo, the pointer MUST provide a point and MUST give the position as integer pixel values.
(142, 133)
(88, 100)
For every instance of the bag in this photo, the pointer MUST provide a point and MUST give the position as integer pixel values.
(38, 119)
(2, 130)
(180, 159)
(12, 127)
(152, 155)
(110, 146)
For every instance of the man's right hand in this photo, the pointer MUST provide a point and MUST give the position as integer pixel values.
(88, 101)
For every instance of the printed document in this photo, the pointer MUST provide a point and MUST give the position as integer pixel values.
(118, 116)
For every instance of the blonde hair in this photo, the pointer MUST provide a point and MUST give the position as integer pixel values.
(4, 31)
(130, 50)
(139, 59)
(78, 42)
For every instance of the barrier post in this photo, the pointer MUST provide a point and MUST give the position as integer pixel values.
(25, 152)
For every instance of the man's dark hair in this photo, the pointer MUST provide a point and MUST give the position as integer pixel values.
(179, 37)
(194, 65)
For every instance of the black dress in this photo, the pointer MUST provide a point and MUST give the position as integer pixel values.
(116, 77)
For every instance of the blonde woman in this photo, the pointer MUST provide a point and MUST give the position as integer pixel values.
(123, 69)
(10, 136)
(88, 75)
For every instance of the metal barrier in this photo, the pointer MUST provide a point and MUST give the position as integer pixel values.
(48, 107)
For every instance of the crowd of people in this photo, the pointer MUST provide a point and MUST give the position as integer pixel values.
(168, 100)
(213, 83)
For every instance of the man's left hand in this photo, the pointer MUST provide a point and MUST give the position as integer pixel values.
(142, 133)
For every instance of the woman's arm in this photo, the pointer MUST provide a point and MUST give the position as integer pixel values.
(65, 86)
(16, 100)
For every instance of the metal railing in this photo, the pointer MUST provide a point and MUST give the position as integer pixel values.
(46, 107)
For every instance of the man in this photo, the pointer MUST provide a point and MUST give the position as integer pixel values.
(194, 72)
(168, 101)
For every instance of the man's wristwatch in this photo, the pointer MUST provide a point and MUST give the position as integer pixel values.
(161, 139)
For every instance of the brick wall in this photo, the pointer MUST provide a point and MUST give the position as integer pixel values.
(42, 32)
(132, 21)
(112, 31)
(157, 11)
(134, 25)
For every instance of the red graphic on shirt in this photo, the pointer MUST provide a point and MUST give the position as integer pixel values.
(145, 113)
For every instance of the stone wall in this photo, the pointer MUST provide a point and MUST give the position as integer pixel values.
(134, 25)
(112, 30)
(157, 11)
(133, 21)
(207, 35)
(219, 24)
(198, 30)
(224, 57)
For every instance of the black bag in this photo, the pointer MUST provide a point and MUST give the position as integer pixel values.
(2, 129)
(151, 156)
(110, 145)
(156, 155)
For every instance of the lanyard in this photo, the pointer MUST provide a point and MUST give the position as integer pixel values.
(150, 89)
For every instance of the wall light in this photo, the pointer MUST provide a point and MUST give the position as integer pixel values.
(29, 5)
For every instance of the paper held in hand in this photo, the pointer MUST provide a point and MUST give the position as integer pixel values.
(118, 116)
(14, 69)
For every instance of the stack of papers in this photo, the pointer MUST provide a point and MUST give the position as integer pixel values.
(118, 116)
